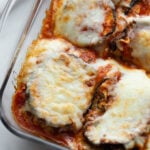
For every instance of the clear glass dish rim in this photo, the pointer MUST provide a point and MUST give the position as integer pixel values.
(3, 118)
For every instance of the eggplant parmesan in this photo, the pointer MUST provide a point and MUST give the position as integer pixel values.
(134, 46)
(85, 81)
(141, 48)
(83, 22)
(120, 113)
(57, 83)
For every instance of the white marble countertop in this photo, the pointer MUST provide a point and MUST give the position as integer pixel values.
(7, 44)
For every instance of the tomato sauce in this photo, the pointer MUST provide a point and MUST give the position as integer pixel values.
(144, 7)
(38, 127)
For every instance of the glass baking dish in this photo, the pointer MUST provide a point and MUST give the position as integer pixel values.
(26, 33)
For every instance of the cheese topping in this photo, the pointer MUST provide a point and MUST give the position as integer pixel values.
(74, 89)
(83, 22)
(141, 48)
(128, 115)
(57, 84)
(135, 45)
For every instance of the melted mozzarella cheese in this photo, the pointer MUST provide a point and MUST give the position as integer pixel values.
(128, 115)
(83, 22)
(136, 45)
(141, 48)
(57, 84)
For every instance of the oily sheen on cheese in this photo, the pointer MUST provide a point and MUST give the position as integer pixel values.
(127, 116)
(83, 22)
(56, 83)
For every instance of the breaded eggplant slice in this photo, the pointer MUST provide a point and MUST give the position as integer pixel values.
(135, 47)
(121, 109)
(140, 45)
(59, 85)
(83, 22)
